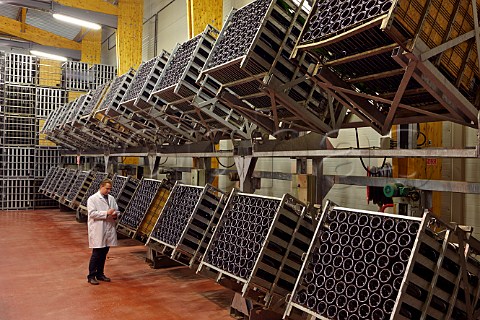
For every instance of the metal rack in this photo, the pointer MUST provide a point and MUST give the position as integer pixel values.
(396, 62)
(127, 191)
(93, 188)
(258, 246)
(48, 100)
(75, 197)
(75, 186)
(21, 69)
(379, 266)
(251, 59)
(16, 193)
(65, 184)
(186, 223)
(138, 206)
(101, 74)
(76, 76)
(17, 162)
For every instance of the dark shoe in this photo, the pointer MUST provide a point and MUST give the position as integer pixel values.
(93, 281)
(103, 278)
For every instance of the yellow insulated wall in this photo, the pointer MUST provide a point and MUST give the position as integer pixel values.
(129, 35)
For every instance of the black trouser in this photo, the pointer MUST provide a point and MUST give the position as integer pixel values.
(97, 262)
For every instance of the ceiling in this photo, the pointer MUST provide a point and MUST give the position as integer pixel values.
(39, 15)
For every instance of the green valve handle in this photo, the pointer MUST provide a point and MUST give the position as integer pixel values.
(392, 189)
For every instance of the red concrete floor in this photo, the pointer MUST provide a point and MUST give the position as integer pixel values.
(43, 266)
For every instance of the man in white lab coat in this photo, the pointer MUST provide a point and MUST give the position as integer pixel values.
(102, 234)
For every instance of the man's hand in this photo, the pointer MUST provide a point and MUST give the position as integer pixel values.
(111, 214)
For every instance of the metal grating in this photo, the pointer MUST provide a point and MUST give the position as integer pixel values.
(259, 243)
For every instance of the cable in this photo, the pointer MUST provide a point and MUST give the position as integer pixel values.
(163, 162)
(361, 159)
(419, 133)
(227, 167)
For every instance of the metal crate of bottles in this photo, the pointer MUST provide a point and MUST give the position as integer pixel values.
(19, 130)
(148, 222)
(76, 76)
(92, 189)
(47, 100)
(126, 194)
(178, 79)
(138, 206)
(17, 193)
(19, 99)
(111, 106)
(18, 162)
(75, 187)
(21, 69)
(64, 186)
(97, 96)
(361, 47)
(370, 265)
(258, 245)
(46, 158)
(39, 200)
(49, 189)
(251, 59)
(139, 93)
(186, 223)
(174, 216)
(48, 179)
(101, 74)
(77, 197)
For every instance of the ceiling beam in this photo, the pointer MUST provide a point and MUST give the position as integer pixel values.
(14, 28)
(96, 6)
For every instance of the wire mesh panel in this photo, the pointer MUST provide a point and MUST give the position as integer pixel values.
(75, 76)
(138, 206)
(47, 100)
(21, 69)
(198, 227)
(259, 243)
(369, 265)
(251, 59)
(126, 194)
(76, 186)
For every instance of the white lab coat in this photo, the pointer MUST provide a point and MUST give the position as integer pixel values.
(101, 231)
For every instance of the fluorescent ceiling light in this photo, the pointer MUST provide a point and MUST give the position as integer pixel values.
(78, 22)
(47, 55)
